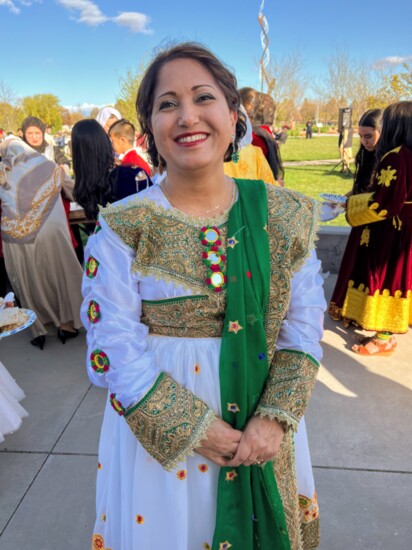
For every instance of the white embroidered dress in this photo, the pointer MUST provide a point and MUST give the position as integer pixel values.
(140, 505)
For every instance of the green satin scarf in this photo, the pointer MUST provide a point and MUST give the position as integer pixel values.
(249, 513)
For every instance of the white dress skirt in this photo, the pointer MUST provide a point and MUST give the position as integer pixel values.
(11, 412)
(139, 505)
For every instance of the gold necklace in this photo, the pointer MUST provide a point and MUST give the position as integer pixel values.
(203, 211)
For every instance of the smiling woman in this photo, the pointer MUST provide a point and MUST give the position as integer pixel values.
(203, 297)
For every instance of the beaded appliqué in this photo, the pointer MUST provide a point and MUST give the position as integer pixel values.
(99, 361)
(93, 312)
(92, 265)
(213, 258)
(117, 406)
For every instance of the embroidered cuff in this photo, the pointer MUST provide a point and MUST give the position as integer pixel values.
(170, 422)
(359, 211)
(290, 382)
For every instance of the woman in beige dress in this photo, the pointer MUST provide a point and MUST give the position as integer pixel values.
(40, 260)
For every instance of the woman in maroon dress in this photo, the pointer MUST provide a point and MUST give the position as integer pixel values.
(379, 293)
(369, 129)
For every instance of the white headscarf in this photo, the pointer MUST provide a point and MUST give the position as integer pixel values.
(104, 114)
(247, 138)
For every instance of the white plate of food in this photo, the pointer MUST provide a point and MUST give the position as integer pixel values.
(22, 320)
(331, 197)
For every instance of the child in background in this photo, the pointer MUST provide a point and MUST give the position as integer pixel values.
(122, 134)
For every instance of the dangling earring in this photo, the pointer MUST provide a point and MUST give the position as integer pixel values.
(235, 150)
(160, 164)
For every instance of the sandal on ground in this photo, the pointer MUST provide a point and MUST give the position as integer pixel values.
(366, 339)
(376, 347)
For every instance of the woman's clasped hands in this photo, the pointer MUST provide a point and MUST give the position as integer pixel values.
(257, 444)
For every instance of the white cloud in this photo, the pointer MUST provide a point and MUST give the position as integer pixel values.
(90, 14)
(136, 22)
(85, 108)
(392, 61)
(11, 5)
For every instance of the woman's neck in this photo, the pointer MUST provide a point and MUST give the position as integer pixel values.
(199, 194)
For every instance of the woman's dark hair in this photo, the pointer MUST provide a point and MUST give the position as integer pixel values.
(264, 110)
(365, 161)
(93, 161)
(273, 155)
(248, 98)
(223, 76)
(396, 127)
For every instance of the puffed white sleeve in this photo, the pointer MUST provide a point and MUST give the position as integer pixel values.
(118, 357)
(302, 329)
(168, 420)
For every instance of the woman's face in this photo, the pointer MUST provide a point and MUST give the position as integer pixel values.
(191, 121)
(34, 136)
(369, 137)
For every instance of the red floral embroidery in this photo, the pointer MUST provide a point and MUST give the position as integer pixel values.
(203, 468)
(97, 542)
(230, 476)
(181, 474)
(139, 519)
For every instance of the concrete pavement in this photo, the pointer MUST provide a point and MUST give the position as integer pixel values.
(359, 423)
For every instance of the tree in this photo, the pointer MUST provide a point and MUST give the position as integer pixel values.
(309, 110)
(10, 117)
(287, 84)
(349, 82)
(69, 118)
(7, 95)
(129, 84)
(44, 106)
(397, 86)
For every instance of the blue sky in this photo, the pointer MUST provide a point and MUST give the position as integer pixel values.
(78, 49)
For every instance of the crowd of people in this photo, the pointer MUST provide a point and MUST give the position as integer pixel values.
(202, 298)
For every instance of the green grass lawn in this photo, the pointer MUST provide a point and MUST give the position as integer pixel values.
(312, 180)
(317, 148)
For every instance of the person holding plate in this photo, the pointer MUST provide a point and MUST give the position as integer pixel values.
(204, 309)
(379, 292)
(369, 128)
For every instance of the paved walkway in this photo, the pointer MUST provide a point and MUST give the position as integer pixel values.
(359, 423)
(310, 162)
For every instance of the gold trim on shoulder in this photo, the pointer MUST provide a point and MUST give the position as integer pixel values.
(291, 227)
(166, 242)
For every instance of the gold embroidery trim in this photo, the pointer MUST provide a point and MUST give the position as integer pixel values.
(289, 385)
(166, 242)
(292, 224)
(186, 317)
(360, 212)
(170, 422)
(311, 535)
(20, 227)
(380, 311)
